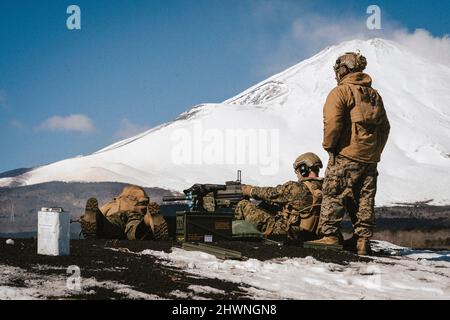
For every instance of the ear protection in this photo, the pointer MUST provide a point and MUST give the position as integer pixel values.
(304, 170)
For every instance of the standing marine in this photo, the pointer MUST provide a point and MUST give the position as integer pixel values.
(130, 216)
(291, 209)
(356, 129)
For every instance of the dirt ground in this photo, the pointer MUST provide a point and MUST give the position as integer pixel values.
(142, 272)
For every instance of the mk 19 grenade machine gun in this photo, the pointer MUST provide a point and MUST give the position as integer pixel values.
(209, 213)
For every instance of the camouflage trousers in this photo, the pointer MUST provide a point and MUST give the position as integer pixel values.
(124, 225)
(264, 217)
(349, 186)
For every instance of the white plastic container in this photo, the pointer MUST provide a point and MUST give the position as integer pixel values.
(53, 232)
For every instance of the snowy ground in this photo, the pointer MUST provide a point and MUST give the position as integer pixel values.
(406, 274)
(399, 273)
(19, 284)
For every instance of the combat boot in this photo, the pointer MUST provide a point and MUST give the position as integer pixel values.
(350, 243)
(327, 242)
(363, 247)
(89, 220)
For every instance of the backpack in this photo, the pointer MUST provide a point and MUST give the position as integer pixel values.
(132, 198)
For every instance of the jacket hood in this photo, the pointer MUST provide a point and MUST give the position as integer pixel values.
(357, 78)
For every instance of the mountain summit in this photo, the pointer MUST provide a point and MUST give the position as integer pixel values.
(263, 129)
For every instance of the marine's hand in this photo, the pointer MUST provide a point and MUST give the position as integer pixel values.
(247, 190)
(148, 220)
(153, 208)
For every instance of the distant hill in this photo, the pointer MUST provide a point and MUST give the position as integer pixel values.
(14, 173)
(19, 205)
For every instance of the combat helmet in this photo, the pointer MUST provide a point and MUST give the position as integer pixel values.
(307, 161)
(134, 193)
(348, 63)
(132, 198)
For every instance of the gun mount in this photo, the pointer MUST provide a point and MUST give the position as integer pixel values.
(210, 211)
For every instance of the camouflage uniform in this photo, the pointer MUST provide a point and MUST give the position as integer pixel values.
(355, 132)
(283, 208)
(349, 186)
(356, 129)
(127, 224)
(130, 216)
(265, 218)
(121, 225)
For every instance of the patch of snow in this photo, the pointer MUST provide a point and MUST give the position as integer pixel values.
(397, 277)
(386, 247)
(37, 286)
(180, 294)
(205, 289)
(126, 290)
(13, 293)
(418, 255)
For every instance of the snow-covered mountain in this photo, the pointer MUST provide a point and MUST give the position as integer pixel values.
(263, 129)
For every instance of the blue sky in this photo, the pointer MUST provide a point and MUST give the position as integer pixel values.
(136, 64)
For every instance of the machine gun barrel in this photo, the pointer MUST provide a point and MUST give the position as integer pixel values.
(174, 198)
(219, 195)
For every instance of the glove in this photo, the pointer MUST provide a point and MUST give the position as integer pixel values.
(247, 190)
(153, 208)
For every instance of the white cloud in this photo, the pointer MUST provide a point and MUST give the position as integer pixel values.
(309, 33)
(424, 43)
(128, 129)
(75, 122)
